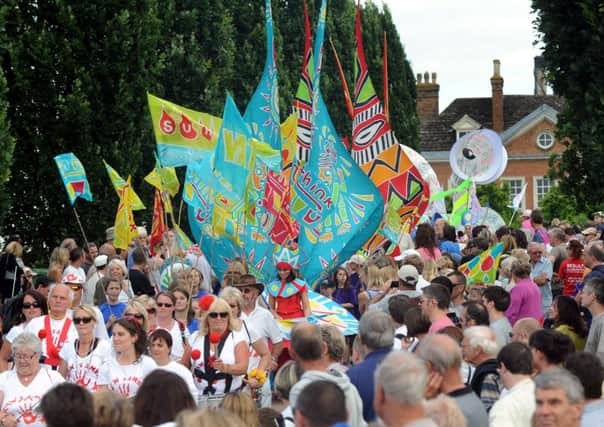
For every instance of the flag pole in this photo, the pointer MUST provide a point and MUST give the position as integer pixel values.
(512, 217)
(80, 224)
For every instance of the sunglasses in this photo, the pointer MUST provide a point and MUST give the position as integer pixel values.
(164, 304)
(151, 311)
(85, 320)
(134, 315)
(75, 287)
(222, 314)
(27, 305)
(246, 290)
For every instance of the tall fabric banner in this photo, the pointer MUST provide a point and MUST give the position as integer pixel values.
(262, 112)
(119, 184)
(377, 151)
(182, 135)
(302, 100)
(158, 226)
(337, 205)
(74, 177)
(125, 227)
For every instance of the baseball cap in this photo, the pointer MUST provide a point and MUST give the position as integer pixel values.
(100, 261)
(406, 253)
(527, 213)
(73, 276)
(408, 274)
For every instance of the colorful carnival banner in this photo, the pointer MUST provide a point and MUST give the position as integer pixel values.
(74, 177)
(182, 135)
(483, 268)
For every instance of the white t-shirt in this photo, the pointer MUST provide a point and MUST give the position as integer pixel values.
(263, 321)
(178, 348)
(251, 336)
(85, 371)
(56, 326)
(14, 332)
(125, 379)
(227, 355)
(21, 402)
(184, 373)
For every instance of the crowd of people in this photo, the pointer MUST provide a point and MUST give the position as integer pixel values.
(149, 336)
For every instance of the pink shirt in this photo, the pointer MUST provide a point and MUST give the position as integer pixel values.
(439, 324)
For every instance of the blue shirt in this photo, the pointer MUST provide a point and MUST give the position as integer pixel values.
(361, 376)
(117, 310)
(544, 265)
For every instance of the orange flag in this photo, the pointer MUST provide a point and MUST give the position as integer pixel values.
(158, 226)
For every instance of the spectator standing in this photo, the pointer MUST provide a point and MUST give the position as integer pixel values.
(444, 357)
(497, 301)
(400, 383)
(590, 371)
(550, 349)
(541, 273)
(140, 282)
(89, 291)
(474, 313)
(310, 354)
(540, 235)
(517, 406)
(479, 347)
(592, 297)
(525, 297)
(376, 332)
(321, 403)
(559, 398)
(568, 320)
(435, 302)
(572, 268)
(523, 329)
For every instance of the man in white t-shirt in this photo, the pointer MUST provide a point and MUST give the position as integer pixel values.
(56, 324)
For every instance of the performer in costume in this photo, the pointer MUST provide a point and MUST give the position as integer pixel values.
(288, 295)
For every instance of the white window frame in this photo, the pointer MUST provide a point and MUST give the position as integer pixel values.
(544, 134)
(523, 181)
(552, 183)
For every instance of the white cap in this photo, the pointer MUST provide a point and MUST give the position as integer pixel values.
(100, 261)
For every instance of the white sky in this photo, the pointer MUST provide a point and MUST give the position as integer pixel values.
(458, 39)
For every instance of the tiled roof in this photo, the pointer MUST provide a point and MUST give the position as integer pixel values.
(438, 135)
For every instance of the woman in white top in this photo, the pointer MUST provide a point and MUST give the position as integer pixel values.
(28, 306)
(125, 372)
(118, 270)
(81, 361)
(166, 303)
(22, 388)
(160, 345)
(219, 351)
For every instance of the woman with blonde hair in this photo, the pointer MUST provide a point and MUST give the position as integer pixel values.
(430, 269)
(81, 360)
(112, 410)
(59, 259)
(219, 355)
(243, 406)
(150, 306)
(208, 418)
(135, 310)
(374, 286)
(118, 270)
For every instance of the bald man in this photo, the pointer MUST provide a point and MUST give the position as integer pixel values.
(523, 329)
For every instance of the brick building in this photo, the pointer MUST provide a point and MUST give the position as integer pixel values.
(526, 124)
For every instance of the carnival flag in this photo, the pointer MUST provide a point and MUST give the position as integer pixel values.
(181, 238)
(182, 135)
(158, 226)
(74, 177)
(517, 201)
(377, 151)
(337, 205)
(119, 184)
(262, 112)
(460, 207)
(125, 228)
(483, 268)
(197, 191)
(302, 100)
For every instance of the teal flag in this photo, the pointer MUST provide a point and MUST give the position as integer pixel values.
(74, 177)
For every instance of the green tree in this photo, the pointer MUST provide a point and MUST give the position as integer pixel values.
(7, 146)
(572, 34)
(77, 74)
(555, 204)
(497, 197)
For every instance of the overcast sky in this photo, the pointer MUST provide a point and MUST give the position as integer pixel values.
(458, 39)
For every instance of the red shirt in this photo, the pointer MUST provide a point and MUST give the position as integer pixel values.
(571, 271)
(290, 307)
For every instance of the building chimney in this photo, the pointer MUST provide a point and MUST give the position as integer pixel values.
(539, 74)
(427, 97)
(497, 97)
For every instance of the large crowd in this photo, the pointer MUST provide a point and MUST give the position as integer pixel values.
(149, 336)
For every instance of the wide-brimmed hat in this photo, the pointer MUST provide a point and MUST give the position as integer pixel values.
(590, 230)
(256, 285)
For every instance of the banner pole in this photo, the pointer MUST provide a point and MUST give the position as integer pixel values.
(80, 224)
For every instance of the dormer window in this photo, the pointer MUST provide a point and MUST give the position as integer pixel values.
(545, 140)
(465, 125)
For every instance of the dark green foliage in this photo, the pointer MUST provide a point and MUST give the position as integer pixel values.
(77, 75)
(573, 37)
